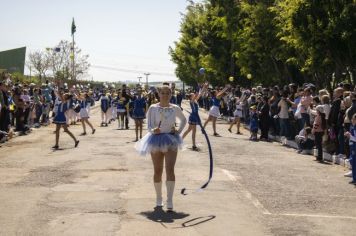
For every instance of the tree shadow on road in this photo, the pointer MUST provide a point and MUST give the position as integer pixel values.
(159, 215)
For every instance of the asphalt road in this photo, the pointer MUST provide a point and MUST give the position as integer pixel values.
(104, 188)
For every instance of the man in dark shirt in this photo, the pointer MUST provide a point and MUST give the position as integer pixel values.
(335, 120)
(5, 111)
(126, 94)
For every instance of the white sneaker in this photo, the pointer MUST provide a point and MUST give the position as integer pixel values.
(348, 174)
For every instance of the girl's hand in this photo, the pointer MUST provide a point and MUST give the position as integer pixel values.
(174, 131)
(157, 130)
(347, 134)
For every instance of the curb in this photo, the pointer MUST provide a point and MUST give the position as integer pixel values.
(326, 156)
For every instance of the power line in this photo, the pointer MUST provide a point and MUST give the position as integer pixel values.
(131, 70)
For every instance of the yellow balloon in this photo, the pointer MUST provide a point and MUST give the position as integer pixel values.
(249, 76)
(231, 78)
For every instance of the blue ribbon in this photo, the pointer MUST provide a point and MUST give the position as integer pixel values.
(183, 191)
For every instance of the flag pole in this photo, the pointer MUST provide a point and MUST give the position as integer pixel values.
(73, 50)
(73, 58)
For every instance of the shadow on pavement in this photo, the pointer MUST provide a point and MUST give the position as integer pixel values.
(159, 215)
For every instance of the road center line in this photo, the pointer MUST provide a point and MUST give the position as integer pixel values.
(317, 216)
(246, 193)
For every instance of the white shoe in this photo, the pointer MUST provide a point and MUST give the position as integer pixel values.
(348, 174)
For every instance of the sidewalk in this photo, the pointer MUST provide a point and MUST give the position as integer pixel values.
(292, 144)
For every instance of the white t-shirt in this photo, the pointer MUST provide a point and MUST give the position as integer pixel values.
(283, 114)
(26, 98)
(326, 110)
(165, 118)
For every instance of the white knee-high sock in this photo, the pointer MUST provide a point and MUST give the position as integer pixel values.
(158, 188)
(170, 189)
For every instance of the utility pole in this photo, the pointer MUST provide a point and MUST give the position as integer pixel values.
(147, 74)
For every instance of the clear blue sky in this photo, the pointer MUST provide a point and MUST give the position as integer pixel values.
(131, 34)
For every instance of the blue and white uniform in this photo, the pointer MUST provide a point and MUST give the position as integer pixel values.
(165, 119)
(352, 144)
(215, 110)
(84, 109)
(60, 117)
(194, 118)
(139, 105)
(104, 103)
(121, 105)
(238, 110)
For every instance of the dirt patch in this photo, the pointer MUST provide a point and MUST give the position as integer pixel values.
(49, 176)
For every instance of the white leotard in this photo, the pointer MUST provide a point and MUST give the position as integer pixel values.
(165, 117)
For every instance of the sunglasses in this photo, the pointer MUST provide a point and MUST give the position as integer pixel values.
(165, 93)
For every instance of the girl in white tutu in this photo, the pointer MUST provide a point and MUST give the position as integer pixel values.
(162, 142)
(237, 116)
(84, 112)
(214, 111)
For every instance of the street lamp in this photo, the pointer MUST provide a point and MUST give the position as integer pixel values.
(139, 79)
(147, 74)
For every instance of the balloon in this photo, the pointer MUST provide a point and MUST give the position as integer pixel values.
(202, 71)
(231, 78)
(249, 76)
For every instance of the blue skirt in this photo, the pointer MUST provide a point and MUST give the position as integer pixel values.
(193, 119)
(159, 143)
(138, 114)
(60, 118)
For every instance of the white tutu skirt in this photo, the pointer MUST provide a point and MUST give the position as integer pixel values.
(83, 113)
(158, 143)
(214, 111)
(238, 113)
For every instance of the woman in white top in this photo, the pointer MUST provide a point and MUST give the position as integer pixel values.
(237, 115)
(162, 142)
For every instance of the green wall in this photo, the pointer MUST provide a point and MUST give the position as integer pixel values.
(13, 60)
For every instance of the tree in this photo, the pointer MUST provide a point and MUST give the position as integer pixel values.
(61, 62)
(39, 61)
(277, 41)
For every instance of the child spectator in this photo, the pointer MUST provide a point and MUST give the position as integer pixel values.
(253, 123)
(319, 128)
(305, 141)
